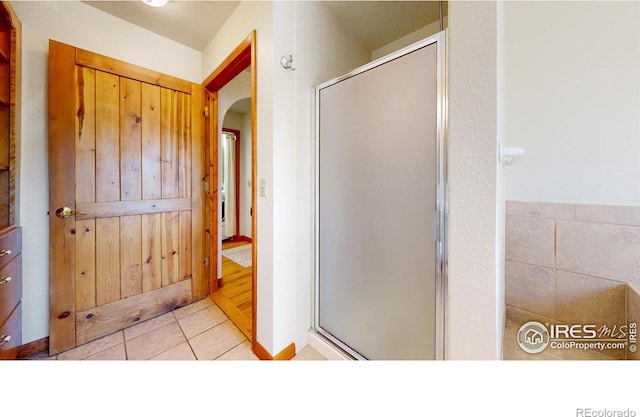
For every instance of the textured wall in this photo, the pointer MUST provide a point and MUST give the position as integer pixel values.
(474, 281)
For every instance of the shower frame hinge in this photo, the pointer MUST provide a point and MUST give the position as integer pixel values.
(206, 111)
(206, 261)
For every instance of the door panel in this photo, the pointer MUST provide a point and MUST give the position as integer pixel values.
(125, 157)
(379, 188)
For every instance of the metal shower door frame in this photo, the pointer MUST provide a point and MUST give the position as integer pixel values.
(440, 215)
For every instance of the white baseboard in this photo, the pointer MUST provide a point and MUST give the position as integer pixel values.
(325, 349)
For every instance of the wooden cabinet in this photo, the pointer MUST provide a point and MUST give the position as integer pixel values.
(10, 233)
(10, 292)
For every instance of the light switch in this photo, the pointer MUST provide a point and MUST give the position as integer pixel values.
(263, 187)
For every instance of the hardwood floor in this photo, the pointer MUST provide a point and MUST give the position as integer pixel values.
(235, 295)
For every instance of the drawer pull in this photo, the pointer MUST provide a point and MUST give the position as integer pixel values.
(5, 280)
(5, 252)
(5, 338)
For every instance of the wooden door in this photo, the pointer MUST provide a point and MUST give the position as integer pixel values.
(126, 160)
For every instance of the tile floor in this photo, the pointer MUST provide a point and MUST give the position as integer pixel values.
(199, 331)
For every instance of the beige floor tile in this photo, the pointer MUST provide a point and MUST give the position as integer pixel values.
(154, 342)
(242, 352)
(192, 308)
(308, 353)
(114, 353)
(147, 326)
(182, 352)
(216, 341)
(91, 348)
(202, 320)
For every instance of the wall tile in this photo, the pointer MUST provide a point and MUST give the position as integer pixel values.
(531, 288)
(546, 210)
(582, 299)
(596, 250)
(530, 240)
(608, 214)
(602, 250)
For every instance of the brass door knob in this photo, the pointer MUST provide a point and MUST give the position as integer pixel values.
(65, 212)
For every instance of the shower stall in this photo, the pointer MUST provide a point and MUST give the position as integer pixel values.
(380, 223)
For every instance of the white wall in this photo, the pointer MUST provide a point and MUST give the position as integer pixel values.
(475, 281)
(416, 36)
(85, 27)
(322, 50)
(573, 101)
(249, 16)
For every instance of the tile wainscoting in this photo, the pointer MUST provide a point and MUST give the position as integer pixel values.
(571, 264)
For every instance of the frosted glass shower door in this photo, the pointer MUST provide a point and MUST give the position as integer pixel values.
(379, 193)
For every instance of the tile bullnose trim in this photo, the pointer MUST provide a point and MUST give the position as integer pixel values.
(619, 215)
(548, 210)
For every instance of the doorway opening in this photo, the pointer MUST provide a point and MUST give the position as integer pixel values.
(239, 65)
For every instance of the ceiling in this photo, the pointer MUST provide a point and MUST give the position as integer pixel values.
(195, 23)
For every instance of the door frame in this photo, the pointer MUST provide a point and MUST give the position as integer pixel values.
(241, 58)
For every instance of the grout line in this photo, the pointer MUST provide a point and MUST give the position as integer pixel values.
(185, 336)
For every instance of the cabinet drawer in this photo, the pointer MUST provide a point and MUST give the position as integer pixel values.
(10, 244)
(10, 287)
(11, 334)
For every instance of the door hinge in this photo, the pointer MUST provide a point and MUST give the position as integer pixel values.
(206, 111)
(436, 225)
(206, 261)
(206, 185)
